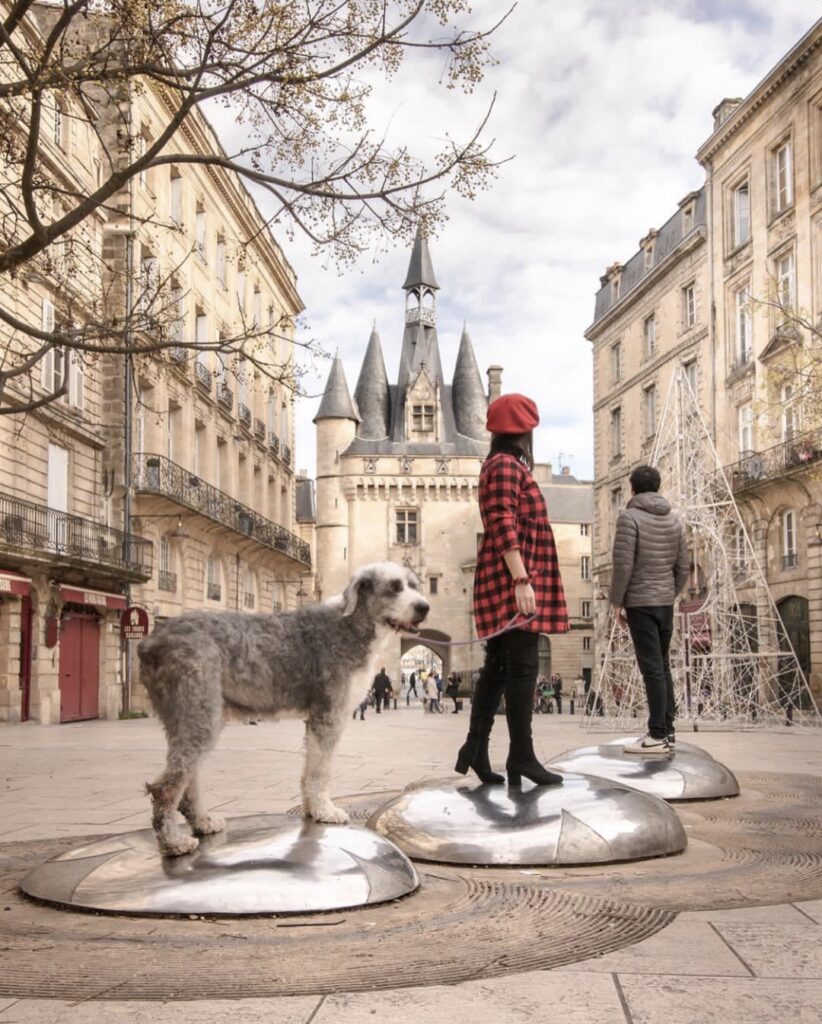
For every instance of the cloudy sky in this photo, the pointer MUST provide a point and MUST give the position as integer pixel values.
(602, 104)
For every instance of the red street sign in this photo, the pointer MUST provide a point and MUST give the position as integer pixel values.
(134, 622)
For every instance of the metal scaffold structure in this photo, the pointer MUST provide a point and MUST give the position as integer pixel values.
(732, 662)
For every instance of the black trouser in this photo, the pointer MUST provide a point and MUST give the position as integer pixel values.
(511, 665)
(558, 699)
(651, 629)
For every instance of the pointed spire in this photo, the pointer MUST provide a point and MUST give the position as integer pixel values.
(336, 401)
(372, 394)
(470, 402)
(420, 269)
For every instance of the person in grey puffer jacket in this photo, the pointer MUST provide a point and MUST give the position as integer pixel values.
(651, 565)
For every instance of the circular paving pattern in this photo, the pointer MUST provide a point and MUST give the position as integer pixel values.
(764, 846)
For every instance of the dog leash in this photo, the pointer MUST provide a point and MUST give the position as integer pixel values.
(513, 624)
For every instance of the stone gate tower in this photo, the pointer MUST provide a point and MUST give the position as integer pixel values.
(398, 464)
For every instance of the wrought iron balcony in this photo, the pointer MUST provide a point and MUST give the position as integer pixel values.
(225, 396)
(244, 414)
(285, 453)
(259, 430)
(791, 560)
(155, 474)
(177, 354)
(167, 581)
(37, 533)
(274, 443)
(203, 375)
(783, 459)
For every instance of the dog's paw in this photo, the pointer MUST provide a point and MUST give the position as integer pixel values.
(327, 813)
(208, 825)
(179, 847)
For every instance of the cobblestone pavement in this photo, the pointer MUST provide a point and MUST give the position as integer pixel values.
(743, 966)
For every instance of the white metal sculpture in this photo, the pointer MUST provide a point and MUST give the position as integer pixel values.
(731, 659)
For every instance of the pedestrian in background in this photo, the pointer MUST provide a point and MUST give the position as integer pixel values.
(412, 688)
(382, 690)
(431, 694)
(558, 691)
(453, 691)
(651, 566)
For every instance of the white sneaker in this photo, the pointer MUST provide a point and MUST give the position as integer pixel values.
(648, 745)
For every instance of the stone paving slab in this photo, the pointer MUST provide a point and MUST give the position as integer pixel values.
(683, 948)
(813, 908)
(676, 1000)
(780, 913)
(540, 998)
(777, 950)
(289, 1010)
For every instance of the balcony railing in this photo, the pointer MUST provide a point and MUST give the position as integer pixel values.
(285, 453)
(244, 414)
(274, 443)
(225, 396)
(259, 430)
(167, 581)
(39, 532)
(155, 474)
(249, 599)
(791, 560)
(177, 354)
(203, 375)
(787, 457)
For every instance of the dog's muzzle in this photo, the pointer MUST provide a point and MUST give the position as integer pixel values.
(420, 610)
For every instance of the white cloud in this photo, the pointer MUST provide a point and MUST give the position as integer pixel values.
(603, 106)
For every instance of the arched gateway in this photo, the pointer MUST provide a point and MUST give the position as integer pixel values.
(435, 641)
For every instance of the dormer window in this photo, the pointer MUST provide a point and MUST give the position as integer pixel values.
(615, 289)
(649, 256)
(687, 219)
(422, 418)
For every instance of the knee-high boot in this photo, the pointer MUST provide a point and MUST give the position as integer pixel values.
(519, 709)
(474, 752)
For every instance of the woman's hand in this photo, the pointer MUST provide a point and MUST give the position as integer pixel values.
(525, 598)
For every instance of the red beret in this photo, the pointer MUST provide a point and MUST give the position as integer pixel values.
(512, 414)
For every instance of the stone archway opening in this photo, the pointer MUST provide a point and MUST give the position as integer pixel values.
(428, 651)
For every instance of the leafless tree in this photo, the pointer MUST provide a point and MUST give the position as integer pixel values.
(295, 77)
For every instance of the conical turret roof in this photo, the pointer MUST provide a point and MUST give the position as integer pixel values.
(372, 393)
(470, 402)
(420, 268)
(336, 401)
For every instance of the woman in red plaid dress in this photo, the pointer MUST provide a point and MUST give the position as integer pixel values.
(517, 575)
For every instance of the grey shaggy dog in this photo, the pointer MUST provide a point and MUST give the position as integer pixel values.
(294, 664)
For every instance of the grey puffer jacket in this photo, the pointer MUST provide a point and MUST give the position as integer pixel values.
(651, 563)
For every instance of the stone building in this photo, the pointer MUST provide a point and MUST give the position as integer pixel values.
(757, 301)
(168, 481)
(652, 316)
(397, 473)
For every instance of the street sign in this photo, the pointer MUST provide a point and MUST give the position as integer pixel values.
(134, 622)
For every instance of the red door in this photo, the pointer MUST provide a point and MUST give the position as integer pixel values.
(26, 614)
(79, 667)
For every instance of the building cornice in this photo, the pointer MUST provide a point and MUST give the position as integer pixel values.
(689, 244)
(787, 67)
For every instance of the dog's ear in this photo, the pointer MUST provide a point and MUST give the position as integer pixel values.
(351, 595)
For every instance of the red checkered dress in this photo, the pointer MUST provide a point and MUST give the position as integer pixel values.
(514, 515)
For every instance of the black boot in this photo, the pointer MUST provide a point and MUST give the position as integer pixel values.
(519, 709)
(474, 752)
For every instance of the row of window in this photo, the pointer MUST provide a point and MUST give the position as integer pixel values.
(649, 333)
(783, 273)
(789, 420)
(789, 550)
(780, 193)
(649, 412)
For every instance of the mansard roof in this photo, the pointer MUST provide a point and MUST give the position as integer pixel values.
(336, 401)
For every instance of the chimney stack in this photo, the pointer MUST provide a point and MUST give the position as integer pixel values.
(494, 383)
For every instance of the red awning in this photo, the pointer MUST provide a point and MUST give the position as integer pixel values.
(14, 583)
(99, 598)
